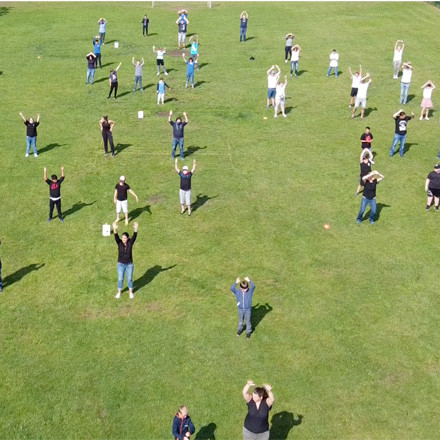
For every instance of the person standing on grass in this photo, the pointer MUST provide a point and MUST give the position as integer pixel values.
(426, 104)
(366, 139)
(355, 81)
(31, 134)
(194, 52)
(189, 71)
(138, 73)
(288, 48)
(91, 67)
(401, 121)
(54, 193)
(244, 17)
(294, 59)
(107, 134)
(432, 188)
(260, 402)
(178, 127)
(181, 37)
(280, 97)
(243, 295)
(159, 59)
(405, 82)
(102, 22)
(161, 90)
(272, 81)
(145, 22)
(125, 258)
(361, 97)
(397, 59)
(183, 427)
(366, 160)
(97, 51)
(334, 62)
(185, 186)
(113, 81)
(120, 199)
(369, 195)
(183, 16)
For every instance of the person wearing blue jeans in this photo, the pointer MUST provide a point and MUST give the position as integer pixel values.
(243, 295)
(189, 71)
(31, 134)
(369, 195)
(178, 127)
(125, 258)
(405, 82)
(334, 62)
(401, 121)
(138, 67)
(91, 67)
(102, 28)
(243, 25)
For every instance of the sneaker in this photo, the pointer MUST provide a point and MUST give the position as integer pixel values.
(285, 61)
(275, 116)
(157, 74)
(248, 336)
(105, 154)
(427, 119)
(118, 295)
(61, 220)
(1, 290)
(358, 221)
(239, 332)
(436, 209)
(113, 155)
(35, 155)
(189, 212)
(349, 106)
(371, 222)
(285, 116)
(183, 212)
(166, 73)
(421, 118)
(26, 155)
(266, 107)
(131, 295)
(428, 208)
(48, 220)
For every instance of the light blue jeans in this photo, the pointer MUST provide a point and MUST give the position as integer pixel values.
(90, 75)
(397, 138)
(294, 64)
(364, 203)
(189, 77)
(244, 314)
(128, 270)
(404, 88)
(330, 69)
(31, 141)
(175, 142)
(138, 79)
(243, 34)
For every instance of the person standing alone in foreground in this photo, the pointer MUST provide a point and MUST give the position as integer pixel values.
(31, 134)
(432, 187)
(54, 193)
(120, 199)
(178, 127)
(400, 132)
(183, 427)
(185, 186)
(369, 196)
(243, 295)
(256, 423)
(125, 258)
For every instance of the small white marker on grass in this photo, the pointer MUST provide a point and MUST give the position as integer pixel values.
(140, 114)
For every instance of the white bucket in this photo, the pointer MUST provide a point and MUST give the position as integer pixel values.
(106, 230)
(116, 45)
(141, 114)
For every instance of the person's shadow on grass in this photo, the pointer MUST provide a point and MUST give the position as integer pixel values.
(192, 150)
(408, 145)
(258, 313)
(138, 211)
(369, 110)
(200, 201)
(207, 432)
(121, 147)
(379, 208)
(76, 207)
(21, 273)
(282, 423)
(410, 98)
(49, 147)
(150, 275)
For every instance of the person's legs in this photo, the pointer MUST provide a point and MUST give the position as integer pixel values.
(93, 76)
(247, 315)
(112, 145)
(158, 69)
(244, 34)
(51, 205)
(329, 70)
(286, 53)
(363, 110)
(136, 80)
(164, 70)
(129, 272)
(336, 71)
(89, 73)
(436, 202)
(292, 63)
(187, 80)
(396, 69)
(276, 108)
(103, 38)
(402, 145)
(240, 321)
(181, 148)
(427, 114)
(296, 68)
(248, 435)
(192, 80)
(188, 201)
(364, 204)
(118, 210)
(116, 90)
(98, 57)
(282, 105)
(144, 30)
(393, 145)
(58, 205)
(406, 90)
(373, 208)
(429, 202)
(105, 141)
(421, 114)
(34, 145)
(162, 98)
(112, 86)
(182, 200)
(158, 98)
(173, 151)
(121, 273)
(28, 146)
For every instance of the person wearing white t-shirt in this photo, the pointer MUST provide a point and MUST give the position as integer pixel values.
(355, 80)
(280, 98)
(397, 59)
(427, 102)
(159, 59)
(294, 59)
(405, 82)
(361, 98)
(334, 58)
(272, 80)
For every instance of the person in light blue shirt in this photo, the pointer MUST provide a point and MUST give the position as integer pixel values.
(243, 294)
(189, 71)
(194, 41)
(97, 50)
(102, 26)
(161, 90)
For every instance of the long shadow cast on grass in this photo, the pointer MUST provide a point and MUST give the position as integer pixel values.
(49, 147)
(410, 98)
(138, 211)
(379, 208)
(150, 275)
(76, 207)
(21, 273)
(206, 432)
(282, 423)
(200, 201)
(408, 145)
(119, 148)
(258, 313)
(192, 150)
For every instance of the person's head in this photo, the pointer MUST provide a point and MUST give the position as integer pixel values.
(429, 84)
(365, 159)
(437, 168)
(272, 72)
(145, 16)
(97, 41)
(54, 178)
(31, 120)
(244, 286)
(183, 411)
(259, 394)
(185, 170)
(111, 71)
(160, 79)
(122, 180)
(105, 118)
(190, 60)
(125, 237)
(334, 50)
(178, 120)
(402, 115)
(356, 74)
(367, 130)
(137, 63)
(295, 48)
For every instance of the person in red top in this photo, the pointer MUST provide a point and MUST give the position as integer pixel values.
(54, 193)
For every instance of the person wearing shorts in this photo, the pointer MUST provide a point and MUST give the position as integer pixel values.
(355, 80)
(120, 198)
(432, 187)
(159, 59)
(361, 97)
(272, 82)
(181, 36)
(185, 186)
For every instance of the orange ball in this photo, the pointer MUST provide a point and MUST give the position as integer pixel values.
(326, 226)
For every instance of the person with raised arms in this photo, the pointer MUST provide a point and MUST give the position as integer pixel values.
(189, 71)
(288, 48)
(138, 73)
(185, 186)
(113, 81)
(102, 28)
(400, 131)
(355, 81)
(91, 67)
(397, 58)
(244, 17)
(366, 160)
(361, 97)
(369, 196)
(182, 23)
(426, 104)
(280, 97)
(194, 51)
(31, 134)
(159, 59)
(272, 81)
(405, 82)
(243, 295)
(294, 59)
(54, 193)
(97, 50)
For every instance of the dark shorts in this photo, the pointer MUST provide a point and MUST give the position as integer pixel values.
(354, 92)
(361, 182)
(435, 192)
(159, 62)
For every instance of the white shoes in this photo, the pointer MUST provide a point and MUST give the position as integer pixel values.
(118, 295)
(427, 119)
(166, 73)
(157, 74)
(26, 155)
(131, 295)
(35, 155)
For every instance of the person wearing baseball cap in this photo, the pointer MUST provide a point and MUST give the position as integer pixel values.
(432, 187)
(120, 198)
(185, 186)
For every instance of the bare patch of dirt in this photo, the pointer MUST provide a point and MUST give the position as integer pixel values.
(156, 199)
(162, 114)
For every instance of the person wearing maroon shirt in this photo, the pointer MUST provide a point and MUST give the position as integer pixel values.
(366, 139)
(256, 423)
(54, 193)
(31, 134)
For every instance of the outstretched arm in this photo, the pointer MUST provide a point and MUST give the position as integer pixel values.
(143, 62)
(62, 171)
(169, 116)
(132, 62)
(271, 399)
(185, 116)
(45, 173)
(183, 56)
(270, 70)
(194, 166)
(350, 72)
(38, 117)
(134, 195)
(154, 49)
(246, 396)
(22, 116)
(118, 67)
(175, 166)
(135, 226)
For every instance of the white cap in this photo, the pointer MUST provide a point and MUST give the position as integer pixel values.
(122, 178)
(185, 168)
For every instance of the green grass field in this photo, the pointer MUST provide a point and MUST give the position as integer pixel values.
(347, 323)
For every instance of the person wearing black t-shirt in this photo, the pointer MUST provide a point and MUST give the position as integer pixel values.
(91, 67)
(366, 139)
(432, 187)
(256, 423)
(125, 258)
(31, 134)
(401, 120)
(120, 198)
(107, 134)
(145, 22)
(365, 167)
(113, 81)
(185, 186)
(369, 196)
(54, 193)
(178, 127)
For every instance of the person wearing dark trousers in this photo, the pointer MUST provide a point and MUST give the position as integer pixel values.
(243, 25)
(31, 134)
(243, 295)
(183, 427)
(97, 50)
(365, 163)
(54, 193)
(113, 81)
(400, 131)
(260, 402)
(178, 127)
(107, 134)
(185, 186)
(91, 67)
(125, 258)
(1, 282)
(145, 22)
(432, 188)
(369, 195)
(288, 48)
